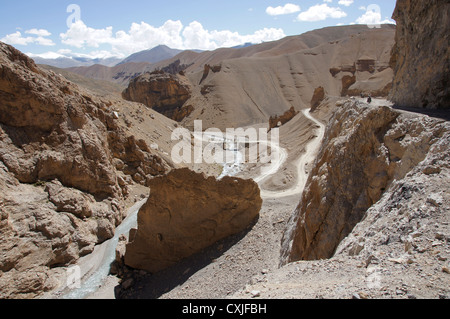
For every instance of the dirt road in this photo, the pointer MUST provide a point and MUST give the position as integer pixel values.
(302, 163)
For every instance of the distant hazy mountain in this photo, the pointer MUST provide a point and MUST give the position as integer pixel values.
(157, 54)
(76, 62)
(248, 44)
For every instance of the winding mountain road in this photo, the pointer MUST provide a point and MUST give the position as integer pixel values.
(311, 152)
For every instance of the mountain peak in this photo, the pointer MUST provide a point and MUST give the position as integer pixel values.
(159, 53)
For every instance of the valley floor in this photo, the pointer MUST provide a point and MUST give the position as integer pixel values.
(222, 270)
(247, 265)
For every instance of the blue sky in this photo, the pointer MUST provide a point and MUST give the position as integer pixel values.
(101, 28)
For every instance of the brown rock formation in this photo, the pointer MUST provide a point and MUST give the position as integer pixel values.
(214, 69)
(421, 55)
(182, 113)
(61, 190)
(187, 212)
(364, 150)
(163, 92)
(318, 97)
(175, 67)
(275, 121)
(347, 82)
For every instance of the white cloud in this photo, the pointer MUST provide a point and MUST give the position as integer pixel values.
(48, 55)
(321, 12)
(142, 36)
(44, 41)
(16, 38)
(67, 53)
(80, 35)
(372, 17)
(40, 32)
(280, 10)
(346, 2)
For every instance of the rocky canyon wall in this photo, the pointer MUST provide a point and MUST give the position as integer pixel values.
(420, 57)
(365, 149)
(368, 149)
(61, 189)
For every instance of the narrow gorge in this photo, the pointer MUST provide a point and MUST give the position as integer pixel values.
(353, 202)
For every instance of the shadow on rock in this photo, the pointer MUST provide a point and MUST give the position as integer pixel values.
(138, 284)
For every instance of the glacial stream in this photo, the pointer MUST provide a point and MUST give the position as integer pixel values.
(105, 253)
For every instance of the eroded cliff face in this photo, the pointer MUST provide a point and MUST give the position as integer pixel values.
(187, 212)
(420, 57)
(365, 149)
(165, 93)
(61, 189)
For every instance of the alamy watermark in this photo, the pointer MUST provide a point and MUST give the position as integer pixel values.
(373, 277)
(75, 14)
(216, 147)
(375, 10)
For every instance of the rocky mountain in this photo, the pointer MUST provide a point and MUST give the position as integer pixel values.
(157, 54)
(252, 84)
(250, 90)
(196, 60)
(163, 92)
(120, 74)
(421, 55)
(187, 212)
(68, 162)
(371, 222)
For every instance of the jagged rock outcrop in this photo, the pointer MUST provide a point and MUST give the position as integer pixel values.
(412, 216)
(214, 69)
(365, 149)
(276, 121)
(420, 57)
(175, 67)
(318, 97)
(165, 93)
(61, 189)
(347, 82)
(187, 212)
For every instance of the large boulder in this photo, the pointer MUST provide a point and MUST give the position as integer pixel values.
(187, 212)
